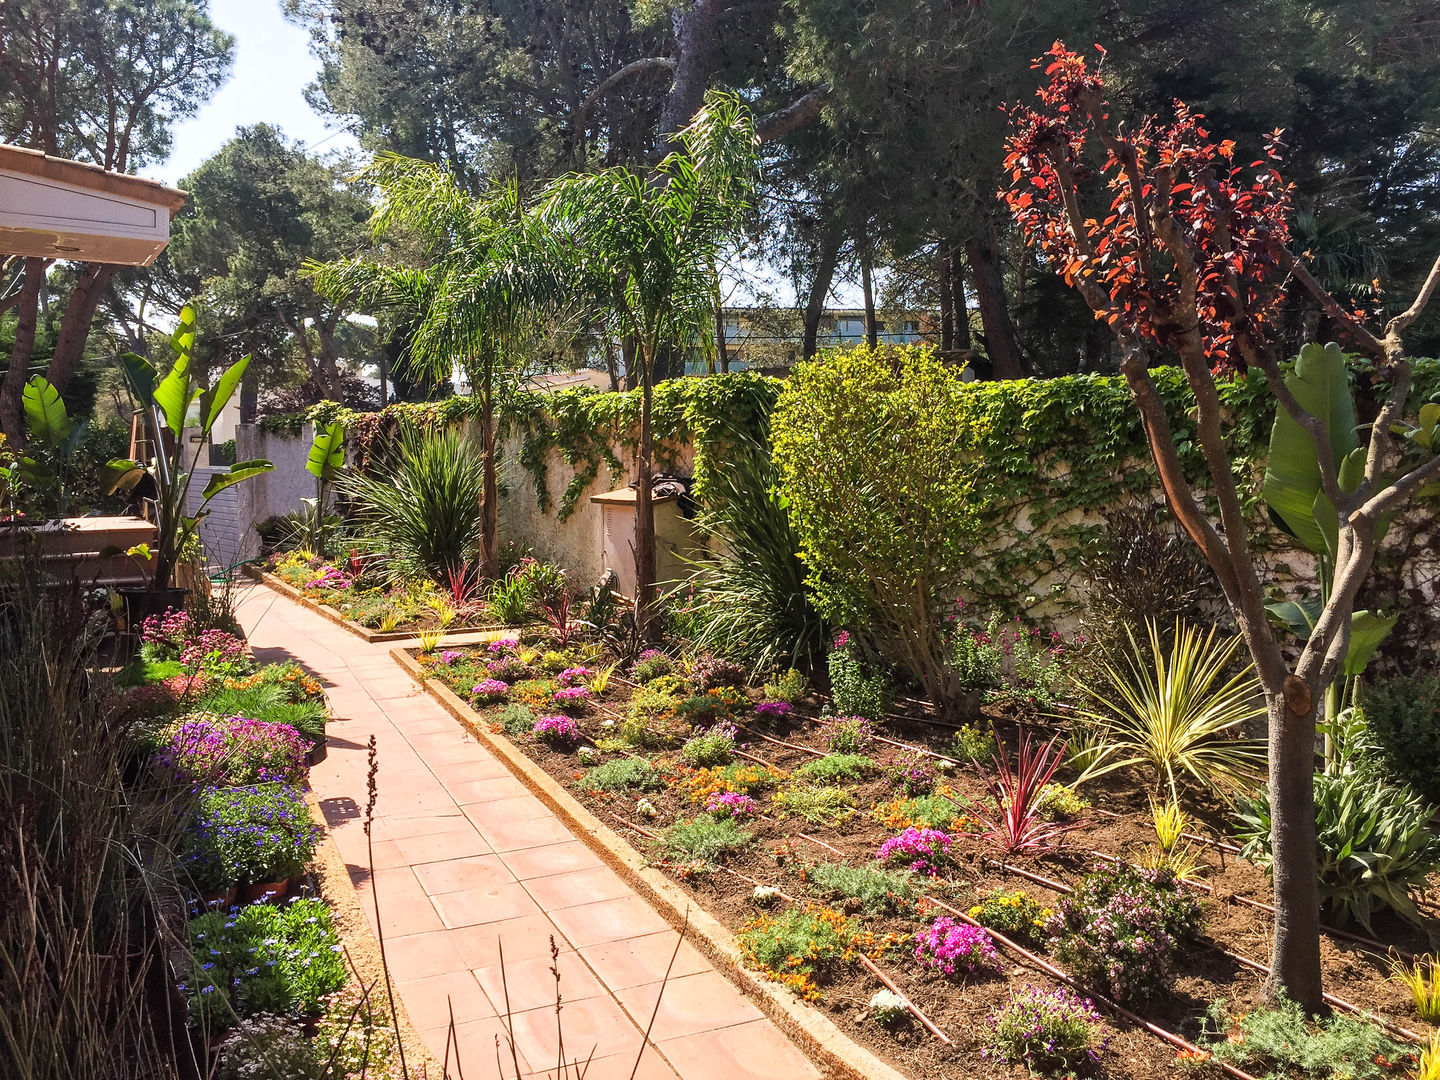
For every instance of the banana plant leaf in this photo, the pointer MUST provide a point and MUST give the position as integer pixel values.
(327, 453)
(45, 412)
(120, 474)
(241, 470)
(1367, 631)
(224, 390)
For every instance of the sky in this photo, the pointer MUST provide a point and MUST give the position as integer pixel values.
(273, 65)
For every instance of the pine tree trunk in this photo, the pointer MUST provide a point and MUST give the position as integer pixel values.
(867, 288)
(12, 413)
(820, 287)
(957, 295)
(75, 323)
(947, 300)
(1000, 343)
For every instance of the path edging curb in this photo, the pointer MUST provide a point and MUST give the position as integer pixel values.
(822, 1041)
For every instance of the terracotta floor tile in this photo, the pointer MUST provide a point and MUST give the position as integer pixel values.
(706, 1001)
(489, 789)
(418, 956)
(607, 920)
(557, 891)
(429, 1000)
(456, 875)
(475, 1046)
(446, 844)
(621, 1067)
(635, 961)
(531, 984)
(596, 1025)
(525, 807)
(473, 906)
(755, 1051)
(505, 834)
(566, 858)
(404, 907)
(520, 938)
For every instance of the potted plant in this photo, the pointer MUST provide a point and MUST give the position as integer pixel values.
(167, 403)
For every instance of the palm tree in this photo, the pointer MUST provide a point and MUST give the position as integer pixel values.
(646, 248)
(486, 285)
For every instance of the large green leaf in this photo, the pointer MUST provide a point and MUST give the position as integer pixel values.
(1367, 631)
(175, 394)
(224, 390)
(1300, 616)
(140, 374)
(241, 470)
(120, 474)
(327, 453)
(1292, 473)
(183, 339)
(45, 412)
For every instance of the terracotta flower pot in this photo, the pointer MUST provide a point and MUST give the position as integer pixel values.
(272, 892)
(222, 897)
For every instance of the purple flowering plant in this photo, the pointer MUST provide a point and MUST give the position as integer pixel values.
(849, 735)
(914, 772)
(489, 691)
(451, 656)
(559, 731)
(732, 804)
(923, 850)
(258, 833)
(773, 709)
(571, 698)
(217, 654)
(507, 669)
(1049, 1031)
(231, 751)
(573, 676)
(503, 647)
(952, 947)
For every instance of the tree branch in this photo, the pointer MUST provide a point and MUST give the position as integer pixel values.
(635, 67)
(1400, 322)
(1368, 342)
(797, 114)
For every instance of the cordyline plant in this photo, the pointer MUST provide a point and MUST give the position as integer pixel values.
(1011, 820)
(1192, 256)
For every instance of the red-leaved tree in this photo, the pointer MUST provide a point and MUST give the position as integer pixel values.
(1190, 257)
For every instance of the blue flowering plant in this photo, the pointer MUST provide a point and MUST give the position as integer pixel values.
(1048, 1031)
(280, 960)
(253, 834)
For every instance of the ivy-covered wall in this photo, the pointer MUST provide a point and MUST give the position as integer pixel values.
(1051, 457)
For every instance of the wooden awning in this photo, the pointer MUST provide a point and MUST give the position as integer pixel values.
(54, 208)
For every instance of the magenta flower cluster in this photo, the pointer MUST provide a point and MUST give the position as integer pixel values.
(560, 731)
(487, 691)
(571, 697)
(233, 751)
(732, 804)
(573, 676)
(923, 850)
(166, 634)
(332, 577)
(773, 709)
(217, 652)
(507, 668)
(650, 654)
(503, 647)
(450, 656)
(950, 946)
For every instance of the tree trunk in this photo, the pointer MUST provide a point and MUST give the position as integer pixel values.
(610, 368)
(722, 351)
(1000, 343)
(947, 300)
(27, 311)
(627, 354)
(1295, 947)
(249, 397)
(697, 37)
(75, 323)
(490, 488)
(644, 510)
(961, 339)
(820, 286)
(867, 287)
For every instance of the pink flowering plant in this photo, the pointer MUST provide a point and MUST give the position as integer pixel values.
(954, 947)
(1048, 1031)
(925, 851)
(331, 577)
(1121, 928)
(217, 654)
(164, 637)
(449, 657)
(507, 669)
(773, 710)
(572, 699)
(732, 804)
(489, 691)
(849, 735)
(231, 751)
(560, 732)
(503, 647)
(913, 772)
(574, 676)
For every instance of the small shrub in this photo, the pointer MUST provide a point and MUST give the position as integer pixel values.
(788, 686)
(268, 1048)
(713, 672)
(972, 743)
(805, 947)
(572, 699)
(1014, 914)
(707, 839)
(888, 1007)
(741, 777)
(623, 774)
(489, 691)
(554, 662)
(849, 735)
(714, 747)
(878, 890)
(819, 805)
(1402, 716)
(1284, 1042)
(536, 693)
(507, 669)
(249, 834)
(834, 768)
(560, 732)
(651, 665)
(952, 947)
(1374, 843)
(1048, 1031)
(716, 706)
(856, 690)
(729, 804)
(913, 772)
(1060, 803)
(232, 751)
(1120, 928)
(772, 710)
(924, 851)
(516, 720)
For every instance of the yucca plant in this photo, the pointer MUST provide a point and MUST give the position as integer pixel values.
(1011, 819)
(751, 601)
(422, 508)
(1178, 713)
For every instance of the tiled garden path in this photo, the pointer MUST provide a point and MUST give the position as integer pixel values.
(467, 860)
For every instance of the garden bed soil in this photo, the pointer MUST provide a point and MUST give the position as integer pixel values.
(785, 848)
